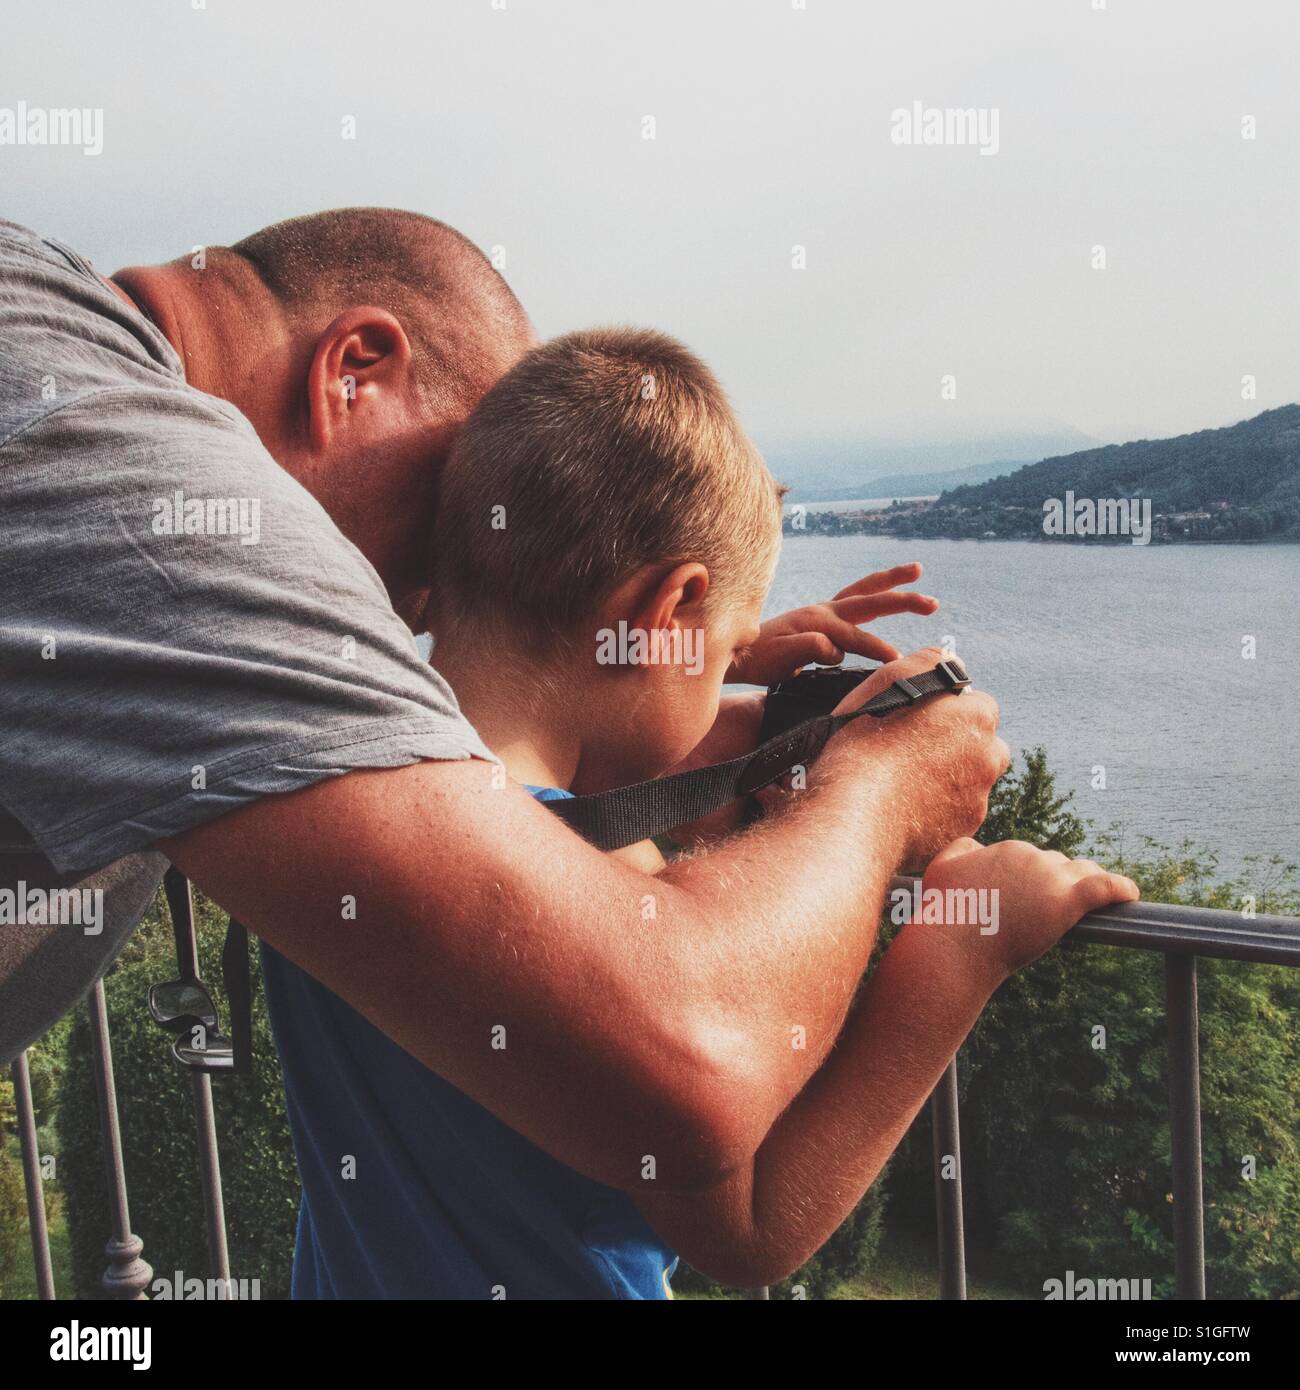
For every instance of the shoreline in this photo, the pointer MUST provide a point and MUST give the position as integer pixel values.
(1117, 541)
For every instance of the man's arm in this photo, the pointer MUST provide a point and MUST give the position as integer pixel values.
(641, 1016)
(930, 986)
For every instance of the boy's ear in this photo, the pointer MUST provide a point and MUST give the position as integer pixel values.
(664, 596)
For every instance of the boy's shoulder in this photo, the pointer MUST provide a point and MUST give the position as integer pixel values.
(549, 793)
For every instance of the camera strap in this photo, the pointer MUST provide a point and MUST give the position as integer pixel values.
(626, 815)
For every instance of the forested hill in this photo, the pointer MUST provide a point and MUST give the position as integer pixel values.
(1254, 463)
(1237, 483)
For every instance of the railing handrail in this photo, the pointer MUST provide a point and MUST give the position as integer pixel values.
(1194, 931)
(1182, 929)
(1181, 932)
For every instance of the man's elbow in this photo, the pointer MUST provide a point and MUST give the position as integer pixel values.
(703, 1150)
(748, 1266)
(713, 1114)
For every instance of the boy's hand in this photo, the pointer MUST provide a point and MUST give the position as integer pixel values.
(1040, 895)
(824, 632)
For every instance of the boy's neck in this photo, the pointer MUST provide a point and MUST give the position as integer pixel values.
(500, 700)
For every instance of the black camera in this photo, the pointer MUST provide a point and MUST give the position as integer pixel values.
(805, 696)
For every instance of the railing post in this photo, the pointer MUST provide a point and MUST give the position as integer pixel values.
(1185, 1125)
(210, 1176)
(127, 1275)
(180, 903)
(32, 1177)
(946, 1130)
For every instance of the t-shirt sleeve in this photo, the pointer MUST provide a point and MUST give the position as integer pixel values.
(183, 630)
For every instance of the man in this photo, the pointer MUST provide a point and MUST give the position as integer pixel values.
(198, 460)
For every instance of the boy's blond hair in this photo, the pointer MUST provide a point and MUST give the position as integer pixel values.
(599, 453)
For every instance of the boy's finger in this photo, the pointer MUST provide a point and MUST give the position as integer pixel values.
(778, 658)
(854, 639)
(882, 579)
(862, 608)
(798, 649)
(923, 659)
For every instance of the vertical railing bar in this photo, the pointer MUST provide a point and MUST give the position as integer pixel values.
(1182, 1017)
(762, 1294)
(946, 1130)
(127, 1274)
(210, 1175)
(32, 1178)
(180, 903)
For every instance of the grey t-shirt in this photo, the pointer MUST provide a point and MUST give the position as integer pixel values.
(183, 629)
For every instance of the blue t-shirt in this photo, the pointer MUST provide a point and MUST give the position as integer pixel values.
(410, 1189)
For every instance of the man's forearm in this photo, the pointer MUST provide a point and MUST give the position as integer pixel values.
(828, 1147)
(809, 881)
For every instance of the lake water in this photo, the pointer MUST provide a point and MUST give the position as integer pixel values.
(1128, 657)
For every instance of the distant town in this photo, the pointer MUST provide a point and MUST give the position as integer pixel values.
(931, 517)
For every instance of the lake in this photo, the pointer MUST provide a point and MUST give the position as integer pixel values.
(1127, 657)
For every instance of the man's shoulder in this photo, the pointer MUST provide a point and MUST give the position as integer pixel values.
(185, 629)
(180, 477)
(15, 239)
(65, 336)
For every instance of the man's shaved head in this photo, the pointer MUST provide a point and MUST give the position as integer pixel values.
(356, 343)
(463, 321)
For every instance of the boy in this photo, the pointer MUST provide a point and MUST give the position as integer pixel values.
(606, 537)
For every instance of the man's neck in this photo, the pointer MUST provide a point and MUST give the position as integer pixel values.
(157, 292)
(226, 328)
(234, 343)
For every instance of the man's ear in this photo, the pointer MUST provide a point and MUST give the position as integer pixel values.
(362, 360)
(663, 598)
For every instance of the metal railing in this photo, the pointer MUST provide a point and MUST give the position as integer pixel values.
(1181, 933)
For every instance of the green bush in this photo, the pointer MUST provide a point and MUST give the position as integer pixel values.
(13, 1213)
(44, 1067)
(1066, 1143)
(155, 1103)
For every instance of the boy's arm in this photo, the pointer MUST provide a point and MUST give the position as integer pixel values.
(822, 1154)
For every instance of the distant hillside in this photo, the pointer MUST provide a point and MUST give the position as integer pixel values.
(1238, 483)
(1247, 464)
(924, 484)
(839, 469)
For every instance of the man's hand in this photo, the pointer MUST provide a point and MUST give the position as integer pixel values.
(1040, 895)
(945, 749)
(824, 632)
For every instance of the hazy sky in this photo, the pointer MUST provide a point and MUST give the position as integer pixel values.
(524, 127)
